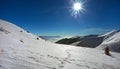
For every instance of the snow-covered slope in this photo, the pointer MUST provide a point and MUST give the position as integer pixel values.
(22, 50)
(112, 40)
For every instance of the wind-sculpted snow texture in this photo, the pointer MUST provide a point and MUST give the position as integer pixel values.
(22, 50)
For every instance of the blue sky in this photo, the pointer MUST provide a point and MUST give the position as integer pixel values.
(53, 17)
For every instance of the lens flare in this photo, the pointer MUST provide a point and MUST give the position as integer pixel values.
(77, 7)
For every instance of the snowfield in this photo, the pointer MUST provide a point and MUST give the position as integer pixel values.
(22, 50)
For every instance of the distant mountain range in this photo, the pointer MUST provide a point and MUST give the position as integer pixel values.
(91, 41)
(110, 39)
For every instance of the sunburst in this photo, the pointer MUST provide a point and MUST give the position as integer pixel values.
(77, 7)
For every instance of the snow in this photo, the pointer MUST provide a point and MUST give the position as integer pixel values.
(31, 53)
(111, 33)
(112, 40)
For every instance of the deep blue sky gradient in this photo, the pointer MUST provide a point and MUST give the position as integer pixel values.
(53, 17)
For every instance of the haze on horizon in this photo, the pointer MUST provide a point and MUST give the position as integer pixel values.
(46, 17)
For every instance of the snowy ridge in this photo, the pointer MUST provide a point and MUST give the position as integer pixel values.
(109, 34)
(22, 50)
(112, 40)
(15, 31)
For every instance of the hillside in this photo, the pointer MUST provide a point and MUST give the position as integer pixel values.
(22, 50)
(91, 41)
(112, 40)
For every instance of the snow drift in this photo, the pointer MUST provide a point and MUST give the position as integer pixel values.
(22, 50)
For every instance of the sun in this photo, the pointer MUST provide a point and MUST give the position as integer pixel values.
(77, 8)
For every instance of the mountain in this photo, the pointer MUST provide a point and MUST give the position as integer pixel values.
(51, 38)
(20, 49)
(91, 41)
(111, 40)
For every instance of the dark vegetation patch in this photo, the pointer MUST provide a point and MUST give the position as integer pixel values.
(68, 40)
